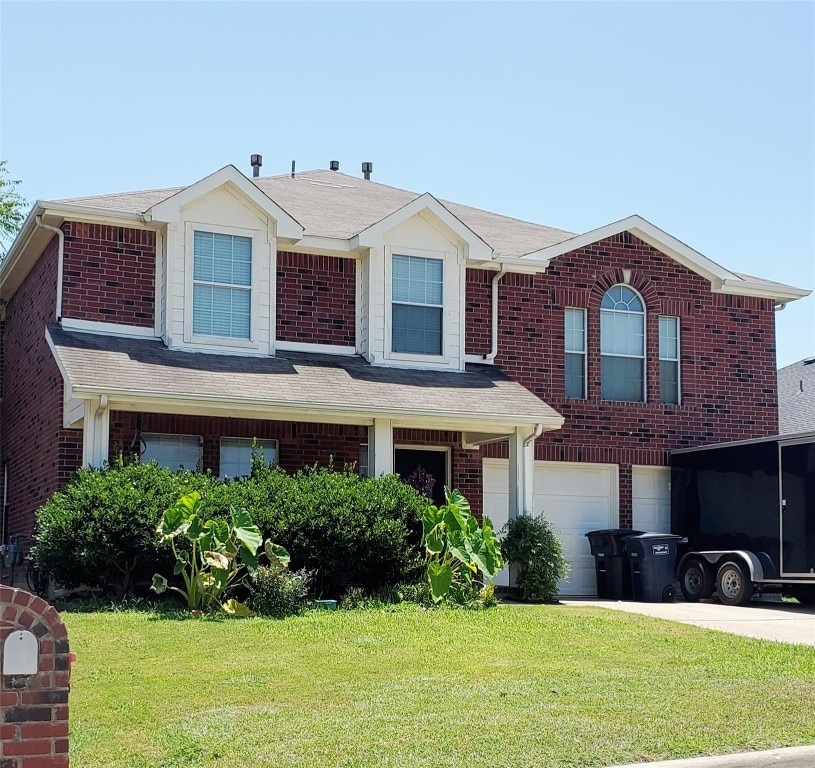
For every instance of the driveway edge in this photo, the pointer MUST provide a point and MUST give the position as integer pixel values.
(788, 757)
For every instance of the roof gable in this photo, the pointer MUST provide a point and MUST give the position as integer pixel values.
(169, 209)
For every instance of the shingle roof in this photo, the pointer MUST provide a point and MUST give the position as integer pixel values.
(294, 380)
(333, 204)
(796, 397)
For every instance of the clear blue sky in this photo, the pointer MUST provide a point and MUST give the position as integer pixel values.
(698, 116)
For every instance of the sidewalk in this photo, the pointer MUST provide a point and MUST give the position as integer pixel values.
(791, 757)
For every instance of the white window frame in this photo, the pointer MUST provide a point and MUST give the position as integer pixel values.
(264, 444)
(643, 357)
(147, 436)
(363, 468)
(189, 266)
(677, 359)
(584, 353)
(447, 297)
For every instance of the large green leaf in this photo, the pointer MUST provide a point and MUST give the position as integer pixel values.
(456, 498)
(454, 518)
(196, 528)
(434, 541)
(431, 518)
(277, 554)
(159, 585)
(440, 576)
(245, 531)
(181, 562)
(493, 544)
(172, 522)
(457, 547)
(190, 502)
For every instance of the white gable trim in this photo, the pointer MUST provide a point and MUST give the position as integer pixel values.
(721, 279)
(437, 215)
(169, 210)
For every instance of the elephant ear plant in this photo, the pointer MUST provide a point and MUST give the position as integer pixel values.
(458, 549)
(219, 554)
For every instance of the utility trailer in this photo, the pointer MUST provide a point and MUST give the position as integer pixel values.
(746, 511)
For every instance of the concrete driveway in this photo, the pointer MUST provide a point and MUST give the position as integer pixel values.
(783, 622)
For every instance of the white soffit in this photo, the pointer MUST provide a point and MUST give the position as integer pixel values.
(169, 210)
(437, 215)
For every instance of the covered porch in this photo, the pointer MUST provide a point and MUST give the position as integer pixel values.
(314, 405)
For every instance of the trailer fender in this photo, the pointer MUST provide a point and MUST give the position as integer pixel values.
(714, 556)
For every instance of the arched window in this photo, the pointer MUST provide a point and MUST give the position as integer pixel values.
(622, 345)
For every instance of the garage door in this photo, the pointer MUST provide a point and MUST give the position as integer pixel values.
(574, 498)
(651, 502)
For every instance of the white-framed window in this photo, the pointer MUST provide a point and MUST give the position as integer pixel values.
(417, 305)
(172, 451)
(669, 360)
(222, 285)
(575, 348)
(622, 345)
(236, 455)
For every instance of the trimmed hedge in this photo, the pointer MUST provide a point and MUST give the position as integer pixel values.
(351, 531)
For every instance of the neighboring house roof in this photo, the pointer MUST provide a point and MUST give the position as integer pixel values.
(333, 204)
(796, 397)
(300, 383)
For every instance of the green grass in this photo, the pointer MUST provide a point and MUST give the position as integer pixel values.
(514, 686)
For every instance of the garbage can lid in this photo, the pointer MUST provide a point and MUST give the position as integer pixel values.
(651, 536)
(618, 532)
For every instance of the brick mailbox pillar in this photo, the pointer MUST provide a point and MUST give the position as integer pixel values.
(35, 672)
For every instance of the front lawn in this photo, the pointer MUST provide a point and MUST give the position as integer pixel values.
(514, 686)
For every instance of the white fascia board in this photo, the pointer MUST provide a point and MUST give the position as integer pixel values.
(14, 255)
(169, 210)
(109, 329)
(374, 235)
(89, 213)
(324, 246)
(781, 293)
(525, 265)
(187, 403)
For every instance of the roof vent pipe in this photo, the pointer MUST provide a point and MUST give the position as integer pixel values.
(292, 168)
(367, 170)
(334, 165)
(256, 161)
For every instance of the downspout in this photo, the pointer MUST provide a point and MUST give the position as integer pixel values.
(494, 348)
(534, 436)
(60, 259)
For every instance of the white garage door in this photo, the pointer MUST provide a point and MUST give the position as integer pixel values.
(574, 498)
(651, 502)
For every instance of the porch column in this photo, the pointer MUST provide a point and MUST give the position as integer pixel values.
(380, 448)
(521, 471)
(95, 432)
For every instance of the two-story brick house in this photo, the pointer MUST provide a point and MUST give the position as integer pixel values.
(334, 317)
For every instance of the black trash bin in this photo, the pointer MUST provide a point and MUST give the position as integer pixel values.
(652, 559)
(610, 562)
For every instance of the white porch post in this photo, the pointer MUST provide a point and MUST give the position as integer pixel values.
(380, 448)
(521, 472)
(95, 432)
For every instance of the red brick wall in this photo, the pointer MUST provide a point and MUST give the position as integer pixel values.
(316, 299)
(109, 274)
(34, 723)
(728, 377)
(39, 453)
(478, 312)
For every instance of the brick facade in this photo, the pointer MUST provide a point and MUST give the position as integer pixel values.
(39, 454)
(727, 346)
(109, 274)
(34, 720)
(316, 299)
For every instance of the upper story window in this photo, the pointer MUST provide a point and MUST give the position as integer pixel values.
(417, 305)
(669, 360)
(622, 345)
(222, 285)
(575, 348)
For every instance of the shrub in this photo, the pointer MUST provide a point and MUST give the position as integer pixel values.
(350, 531)
(531, 545)
(99, 531)
(279, 593)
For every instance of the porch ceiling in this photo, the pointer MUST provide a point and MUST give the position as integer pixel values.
(143, 374)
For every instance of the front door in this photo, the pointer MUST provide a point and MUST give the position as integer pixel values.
(425, 470)
(798, 509)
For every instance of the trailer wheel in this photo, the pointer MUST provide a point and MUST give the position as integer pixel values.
(696, 579)
(733, 584)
